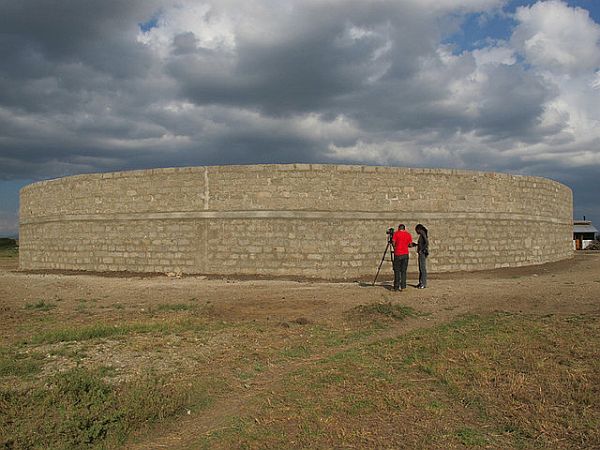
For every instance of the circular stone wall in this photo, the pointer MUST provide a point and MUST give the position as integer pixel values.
(307, 220)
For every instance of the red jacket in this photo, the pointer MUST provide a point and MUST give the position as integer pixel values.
(401, 240)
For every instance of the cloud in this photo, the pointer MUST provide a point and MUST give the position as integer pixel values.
(362, 62)
(557, 38)
(91, 86)
(562, 44)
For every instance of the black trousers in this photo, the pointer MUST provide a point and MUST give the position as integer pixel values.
(400, 266)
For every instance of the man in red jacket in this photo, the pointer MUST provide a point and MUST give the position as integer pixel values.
(401, 240)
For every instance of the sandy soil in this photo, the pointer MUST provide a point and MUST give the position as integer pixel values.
(565, 287)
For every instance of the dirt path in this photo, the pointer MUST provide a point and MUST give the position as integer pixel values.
(566, 287)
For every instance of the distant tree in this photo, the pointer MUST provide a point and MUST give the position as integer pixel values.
(8, 243)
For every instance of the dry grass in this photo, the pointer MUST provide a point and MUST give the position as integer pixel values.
(499, 381)
(495, 382)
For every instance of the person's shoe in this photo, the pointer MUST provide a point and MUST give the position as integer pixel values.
(420, 286)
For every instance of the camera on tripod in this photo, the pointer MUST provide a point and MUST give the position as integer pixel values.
(390, 233)
(390, 247)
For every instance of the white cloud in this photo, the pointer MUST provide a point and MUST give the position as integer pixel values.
(562, 44)
(459, 5)
(209, 28)
(497, 54)
(382, 153)
(557, 38)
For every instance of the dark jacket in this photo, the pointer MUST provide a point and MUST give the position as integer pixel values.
(423, 244)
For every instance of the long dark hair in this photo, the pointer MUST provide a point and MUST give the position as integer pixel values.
(422, 228)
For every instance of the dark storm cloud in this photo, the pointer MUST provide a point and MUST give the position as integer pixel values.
(586, 186)
(314, 61)
(388, 79)
(286, 78)
(80, 82)
(71, 84)
(77, 31)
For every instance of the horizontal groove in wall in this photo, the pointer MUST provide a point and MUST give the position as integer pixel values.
(301, 215)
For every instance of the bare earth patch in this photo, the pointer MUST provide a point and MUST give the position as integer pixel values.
(495, 359)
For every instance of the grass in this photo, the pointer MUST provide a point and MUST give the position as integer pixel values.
(389, 310)
(40, 305)
(174, 307)
(79, 409)
(500, 381)
(494, 381)
(471, 437)
(13, 364)
(299, 351)
(100, 330)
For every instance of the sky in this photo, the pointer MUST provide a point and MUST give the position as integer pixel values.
(106, 85)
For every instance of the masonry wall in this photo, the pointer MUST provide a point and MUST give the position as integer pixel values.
(319, 221)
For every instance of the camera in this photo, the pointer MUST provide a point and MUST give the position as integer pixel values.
(390, 233)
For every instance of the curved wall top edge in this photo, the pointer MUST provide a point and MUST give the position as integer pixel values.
(290, 167)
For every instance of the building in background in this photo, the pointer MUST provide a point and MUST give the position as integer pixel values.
(584, 233)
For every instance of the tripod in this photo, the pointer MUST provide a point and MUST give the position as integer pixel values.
(389, 245)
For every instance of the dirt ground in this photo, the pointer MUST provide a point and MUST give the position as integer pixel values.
(563, 288)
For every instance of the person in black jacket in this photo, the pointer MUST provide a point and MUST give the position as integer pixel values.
(423, 252)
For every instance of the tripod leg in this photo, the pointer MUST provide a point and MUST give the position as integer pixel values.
(380, 264)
